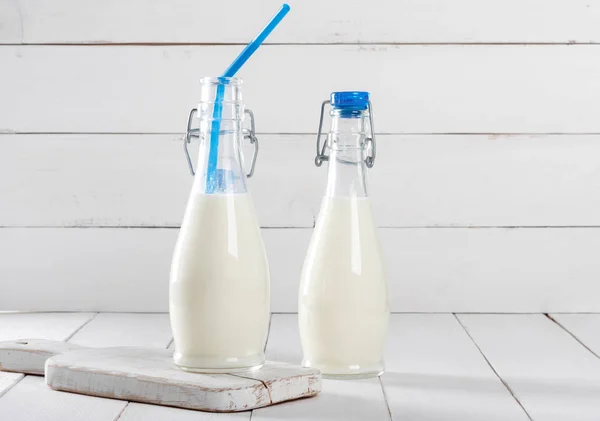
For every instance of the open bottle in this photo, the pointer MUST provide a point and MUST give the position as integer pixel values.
(219, 283)
(343, 303)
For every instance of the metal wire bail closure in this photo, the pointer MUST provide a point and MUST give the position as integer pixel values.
(370, 159)
(189, 133)
(251, 135)
(321, 149)
(369, 141)
(248, 134)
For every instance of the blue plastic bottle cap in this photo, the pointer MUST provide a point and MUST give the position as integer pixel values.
(352, 100)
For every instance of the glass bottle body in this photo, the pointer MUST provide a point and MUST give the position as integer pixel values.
(343, 303)
(219, 282)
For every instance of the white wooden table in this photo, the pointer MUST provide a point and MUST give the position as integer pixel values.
(464, 367)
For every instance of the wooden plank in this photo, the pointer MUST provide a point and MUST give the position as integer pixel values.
(482, 88)
(107, 268)
(584, 327)
(552, 375)
(148, 183)
(344, 400)
(429, 358)
(335, 21)
(123, 329)
(8, 380)
(540, 270)
(143, 412)
(32, 400)
(51, 326)
(418, 180)
(88, 270)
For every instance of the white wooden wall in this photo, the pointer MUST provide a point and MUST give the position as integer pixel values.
(486, 188)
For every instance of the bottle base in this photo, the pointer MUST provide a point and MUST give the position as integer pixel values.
(220, 370)
(215, 365)
(347, 372)
(352, 376)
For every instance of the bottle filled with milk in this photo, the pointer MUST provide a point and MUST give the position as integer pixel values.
(219, 283)
(343, 303)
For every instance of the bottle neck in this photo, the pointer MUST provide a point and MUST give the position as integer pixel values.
(221, 111)
(347, 172)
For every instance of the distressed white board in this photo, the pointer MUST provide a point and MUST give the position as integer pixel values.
(101, 331)
(32, 400)
(149, 375)
(418, 180)
(310, 21)
(344, 400)
(415, 88)
(429, 270)
(584, 327)
(145, 412)
(54, 326)
(554, 377)
(430, 359)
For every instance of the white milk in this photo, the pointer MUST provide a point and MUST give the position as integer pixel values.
(343, 306)
(219, 292)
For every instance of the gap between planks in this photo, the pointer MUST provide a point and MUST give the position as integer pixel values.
(307, 227)
(571, 333)
(319, 44)
(8, 132)
(492, 367)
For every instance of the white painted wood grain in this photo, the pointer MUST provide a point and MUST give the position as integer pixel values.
(81, 269)
(339, 400)
(585, 327)
(492, 270)
(554, 377)
(141, 180)
(419, 180)
(51, 326)
(429, 358)
(8, 380)
(415, 88)
(143, 412)
(337, 21)
(429, 270)
(32, 400)
(119, 269)
(125, 329)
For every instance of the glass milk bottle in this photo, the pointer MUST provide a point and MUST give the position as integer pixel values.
(343, 303)
(219, 286)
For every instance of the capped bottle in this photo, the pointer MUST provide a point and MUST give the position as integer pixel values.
(343, 302)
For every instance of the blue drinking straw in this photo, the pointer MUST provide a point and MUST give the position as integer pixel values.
(215, 127)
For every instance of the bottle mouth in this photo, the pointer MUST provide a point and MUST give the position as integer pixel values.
(220, 80)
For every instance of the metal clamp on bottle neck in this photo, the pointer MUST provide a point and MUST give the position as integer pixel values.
(249, 134)
(370, 139)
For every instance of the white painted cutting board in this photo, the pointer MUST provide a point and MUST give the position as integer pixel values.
(149, 375)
